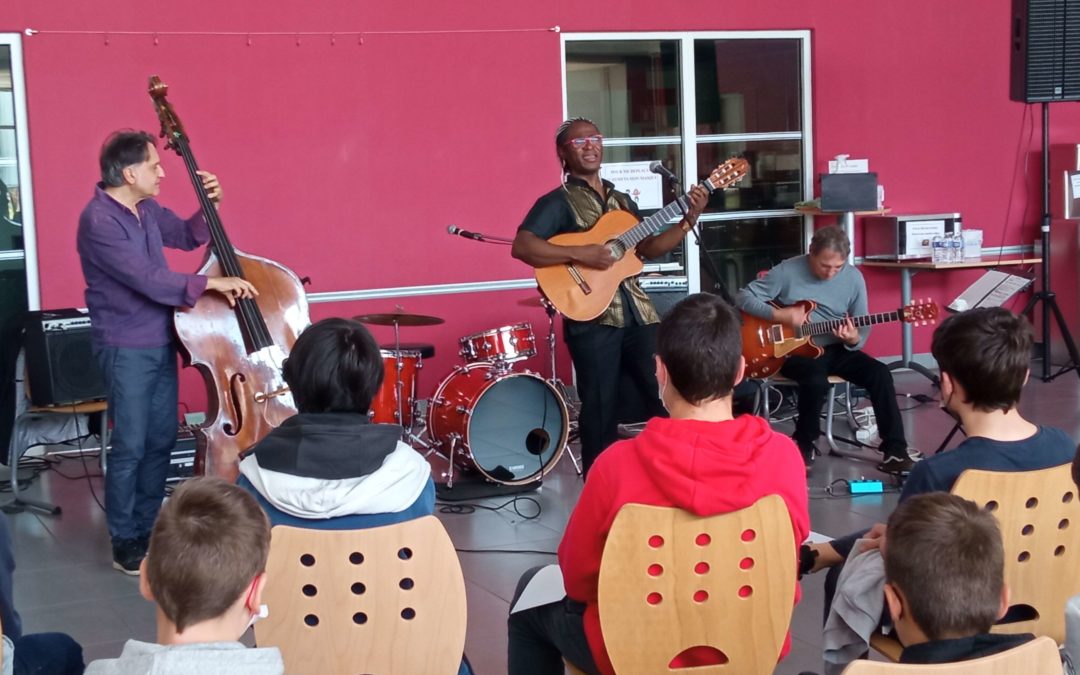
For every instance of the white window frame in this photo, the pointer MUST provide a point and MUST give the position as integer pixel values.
(13, 41)
(690, 138)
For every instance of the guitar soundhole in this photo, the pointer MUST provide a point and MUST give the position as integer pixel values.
(617, 250)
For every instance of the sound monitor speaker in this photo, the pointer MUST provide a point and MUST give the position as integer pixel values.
(1045, 47)
(60, 363)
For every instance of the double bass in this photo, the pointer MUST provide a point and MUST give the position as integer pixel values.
(238, 350)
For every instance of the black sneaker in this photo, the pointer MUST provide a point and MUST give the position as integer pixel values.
(143, 543)
(809, 452)
(897, 465)
(126, 556)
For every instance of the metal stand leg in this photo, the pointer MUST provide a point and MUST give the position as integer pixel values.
(834, 448)
(18, 503)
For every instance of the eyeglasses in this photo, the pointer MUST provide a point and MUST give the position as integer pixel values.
(596, 139)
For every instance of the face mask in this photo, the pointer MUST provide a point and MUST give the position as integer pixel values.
(660, 394)
(263, 612)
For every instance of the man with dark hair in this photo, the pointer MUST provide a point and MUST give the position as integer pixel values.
(623, 338)
(328, 467)
(206, 570)
(945, 581)
(131, 294)
(701, 459)
(839, 290)
(982, 356)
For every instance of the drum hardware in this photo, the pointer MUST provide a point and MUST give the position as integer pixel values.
(554, 380)
(398, 319)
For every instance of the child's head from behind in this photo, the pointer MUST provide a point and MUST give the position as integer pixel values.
(207, 555)
(944, 568)
(335, 366)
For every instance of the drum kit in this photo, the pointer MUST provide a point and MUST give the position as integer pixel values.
(509, 426)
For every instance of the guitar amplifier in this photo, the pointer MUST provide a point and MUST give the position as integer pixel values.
(182, 460)
(664, 291)
(60, 362)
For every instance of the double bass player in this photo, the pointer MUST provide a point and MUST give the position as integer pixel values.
(131, 294)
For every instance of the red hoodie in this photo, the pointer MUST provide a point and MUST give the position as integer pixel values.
(705, 468)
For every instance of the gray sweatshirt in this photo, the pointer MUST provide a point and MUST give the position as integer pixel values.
(792, 281)
(232, 658)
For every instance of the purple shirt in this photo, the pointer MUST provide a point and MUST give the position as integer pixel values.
(130, 290)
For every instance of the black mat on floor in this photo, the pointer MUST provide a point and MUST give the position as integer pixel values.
(469, 489)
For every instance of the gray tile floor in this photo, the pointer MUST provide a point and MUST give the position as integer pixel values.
(64, 580)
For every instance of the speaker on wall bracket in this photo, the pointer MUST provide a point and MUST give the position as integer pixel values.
(60, 363)
(1045, 50)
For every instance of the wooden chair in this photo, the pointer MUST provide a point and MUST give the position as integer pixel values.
(1038, 657)
(18, 434)
(670, 581)
(383, 600)
(1039, 516)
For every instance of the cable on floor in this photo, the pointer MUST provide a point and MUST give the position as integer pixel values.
(467, 508)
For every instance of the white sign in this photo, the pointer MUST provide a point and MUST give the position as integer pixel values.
(634, 178)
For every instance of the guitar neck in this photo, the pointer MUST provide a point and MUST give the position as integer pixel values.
(654, 223)
(827, 327)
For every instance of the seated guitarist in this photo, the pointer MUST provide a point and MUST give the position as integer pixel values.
(840, 292)
(623, 337)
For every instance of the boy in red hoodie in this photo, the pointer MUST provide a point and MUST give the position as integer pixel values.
(701, 459)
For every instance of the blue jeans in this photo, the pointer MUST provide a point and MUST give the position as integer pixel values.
(141, 386)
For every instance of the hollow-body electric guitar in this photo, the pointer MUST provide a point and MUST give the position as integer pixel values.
(583, 293)
(766, 343)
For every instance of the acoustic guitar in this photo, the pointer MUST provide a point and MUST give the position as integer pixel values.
(766, 343)
(583, 293)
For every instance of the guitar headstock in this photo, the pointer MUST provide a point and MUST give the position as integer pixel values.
(728, 173)
(920, 312)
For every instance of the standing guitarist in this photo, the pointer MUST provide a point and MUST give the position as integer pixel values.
(623, 337)
(840, 293)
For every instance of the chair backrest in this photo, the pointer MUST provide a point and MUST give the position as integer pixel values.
(671, 581)
(1038, 657)
(382, 600)
(1039, 516)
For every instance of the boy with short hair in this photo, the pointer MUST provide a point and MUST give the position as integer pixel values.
(205, 570)
(944, 580)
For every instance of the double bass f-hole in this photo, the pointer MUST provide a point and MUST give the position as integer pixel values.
(238, 350)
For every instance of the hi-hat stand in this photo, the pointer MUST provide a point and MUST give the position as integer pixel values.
(1045, 294)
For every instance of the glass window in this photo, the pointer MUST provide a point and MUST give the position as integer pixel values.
(693, 101)
(14, 299)
(630, 89)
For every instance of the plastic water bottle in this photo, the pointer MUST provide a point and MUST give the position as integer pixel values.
(939, 251)
(957, 248)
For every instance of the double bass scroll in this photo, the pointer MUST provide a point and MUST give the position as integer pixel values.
(238, 350)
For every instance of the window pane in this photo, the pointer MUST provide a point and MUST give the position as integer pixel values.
(739, 249)
(13, 298)
(748, 86)
(629, 88)
(774, 180)
(671, 156)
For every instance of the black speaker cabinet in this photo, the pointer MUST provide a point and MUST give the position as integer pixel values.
(1045, 47)
(60, 363)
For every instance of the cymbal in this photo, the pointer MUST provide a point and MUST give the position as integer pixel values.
(534, 301)
(399, 318)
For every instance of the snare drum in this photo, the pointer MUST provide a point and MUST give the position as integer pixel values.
(404, 366)
(501, 345)
(511, 427)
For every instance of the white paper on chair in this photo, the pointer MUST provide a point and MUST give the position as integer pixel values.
(992, 289)
(544, 588)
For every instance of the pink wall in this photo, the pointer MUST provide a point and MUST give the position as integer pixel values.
(346, 162)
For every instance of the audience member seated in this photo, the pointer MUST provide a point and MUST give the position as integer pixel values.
(328, 467)
(205, 570)
(983, 356)
(701, 459)
(49, 653)
(944, 580)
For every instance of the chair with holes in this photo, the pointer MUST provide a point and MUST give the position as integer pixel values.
(1038, 657)
(382, 600)
(674, 587)
(1039, 516)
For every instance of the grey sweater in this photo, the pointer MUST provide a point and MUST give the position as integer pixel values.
(792, 281)
(232, 658)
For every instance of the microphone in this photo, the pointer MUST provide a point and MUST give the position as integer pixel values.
(658, 167)
(454, 229)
